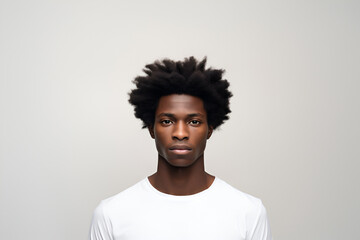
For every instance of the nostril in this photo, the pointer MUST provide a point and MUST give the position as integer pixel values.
(180, 137)
(180, 131)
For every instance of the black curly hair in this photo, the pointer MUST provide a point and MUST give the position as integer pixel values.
(189, 77)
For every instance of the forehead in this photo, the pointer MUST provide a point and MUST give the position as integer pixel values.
(180, 103)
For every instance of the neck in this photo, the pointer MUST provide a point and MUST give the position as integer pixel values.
(181, 180)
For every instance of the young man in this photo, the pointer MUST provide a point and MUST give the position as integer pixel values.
(180, 103)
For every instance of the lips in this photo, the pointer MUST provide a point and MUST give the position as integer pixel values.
(180, 149)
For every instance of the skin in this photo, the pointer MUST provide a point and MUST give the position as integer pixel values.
(180, 132)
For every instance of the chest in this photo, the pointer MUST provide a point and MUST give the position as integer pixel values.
(179, 221)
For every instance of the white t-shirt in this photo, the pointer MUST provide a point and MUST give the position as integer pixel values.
(141, 212)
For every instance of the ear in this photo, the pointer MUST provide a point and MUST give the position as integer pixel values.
(151, 131)
(210, 132)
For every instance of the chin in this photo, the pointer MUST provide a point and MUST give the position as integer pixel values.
(180, 162)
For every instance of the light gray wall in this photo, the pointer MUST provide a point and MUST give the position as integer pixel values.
(69, 138)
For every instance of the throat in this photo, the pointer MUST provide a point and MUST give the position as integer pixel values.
(181, 181)
(181, 186)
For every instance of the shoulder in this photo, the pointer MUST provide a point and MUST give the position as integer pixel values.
(122, 200)
(238, 198)
(251, 208)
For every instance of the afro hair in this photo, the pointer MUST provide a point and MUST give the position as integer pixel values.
(189, 77)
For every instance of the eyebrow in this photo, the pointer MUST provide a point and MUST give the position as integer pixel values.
(173, 115)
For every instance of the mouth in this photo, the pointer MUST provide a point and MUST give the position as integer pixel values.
(180, 149)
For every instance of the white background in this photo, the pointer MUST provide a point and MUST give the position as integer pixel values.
(69, 137)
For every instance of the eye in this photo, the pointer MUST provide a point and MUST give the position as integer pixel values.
(195, 122)
(166, 122)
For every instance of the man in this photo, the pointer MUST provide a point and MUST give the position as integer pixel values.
(180, 103)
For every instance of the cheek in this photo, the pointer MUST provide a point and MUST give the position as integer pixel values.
(201, 141)
(161, 136)
(161, 140)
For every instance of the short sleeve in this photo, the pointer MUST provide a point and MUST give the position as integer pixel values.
(100, 228)
(261, 227)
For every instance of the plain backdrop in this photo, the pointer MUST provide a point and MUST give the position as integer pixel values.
(69, 138)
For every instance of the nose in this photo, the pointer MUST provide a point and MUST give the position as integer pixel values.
(180, 131)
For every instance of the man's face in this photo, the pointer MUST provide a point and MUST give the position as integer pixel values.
(180, 129)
